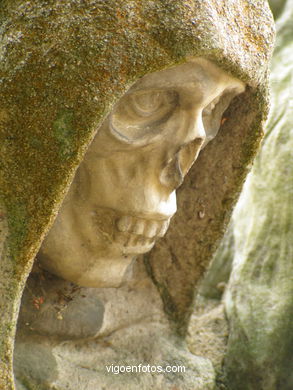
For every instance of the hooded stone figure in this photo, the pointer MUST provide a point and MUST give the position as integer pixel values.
(64, 65)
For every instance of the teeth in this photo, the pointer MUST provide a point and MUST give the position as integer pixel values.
(142, 230)
(124, 224)
(122, 239)
(151, 229)
(131, 241)
(138, 226)
(164, 228)
(143, 240)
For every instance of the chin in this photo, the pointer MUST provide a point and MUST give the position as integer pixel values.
(108, 274)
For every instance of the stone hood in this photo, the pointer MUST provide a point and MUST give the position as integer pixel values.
(63, 66)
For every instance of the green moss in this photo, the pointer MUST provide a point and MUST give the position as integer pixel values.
(30, 385)
(18, 226)
(63, 66)
(64, 133)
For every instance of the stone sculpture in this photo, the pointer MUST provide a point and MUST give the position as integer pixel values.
(65, 65)
(123, 195)
(121, 200)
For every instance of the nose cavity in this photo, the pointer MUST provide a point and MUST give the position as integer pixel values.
(172, 176)
(195, 128)
(173, 173)
(189, 153)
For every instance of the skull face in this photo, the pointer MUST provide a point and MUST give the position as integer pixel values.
(123, 195)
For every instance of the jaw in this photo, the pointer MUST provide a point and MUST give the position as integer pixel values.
(93, 254)
(85, 269)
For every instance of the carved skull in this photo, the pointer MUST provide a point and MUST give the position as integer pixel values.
(123, 195)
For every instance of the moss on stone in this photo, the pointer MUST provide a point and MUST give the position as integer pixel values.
(64, 133)
(65, 63)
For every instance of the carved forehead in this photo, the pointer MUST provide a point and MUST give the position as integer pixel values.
(195, 73)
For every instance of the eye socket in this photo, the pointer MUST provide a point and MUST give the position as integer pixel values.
(210, 108)
(138, 115)
(149, 103)
(212, 114)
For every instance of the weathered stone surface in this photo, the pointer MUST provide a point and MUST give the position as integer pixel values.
(208, 331)
(121, 200)
(83, 366)
(63, 65)
(135, 332)
(59, 309)
(123, 196)
(259, 301)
